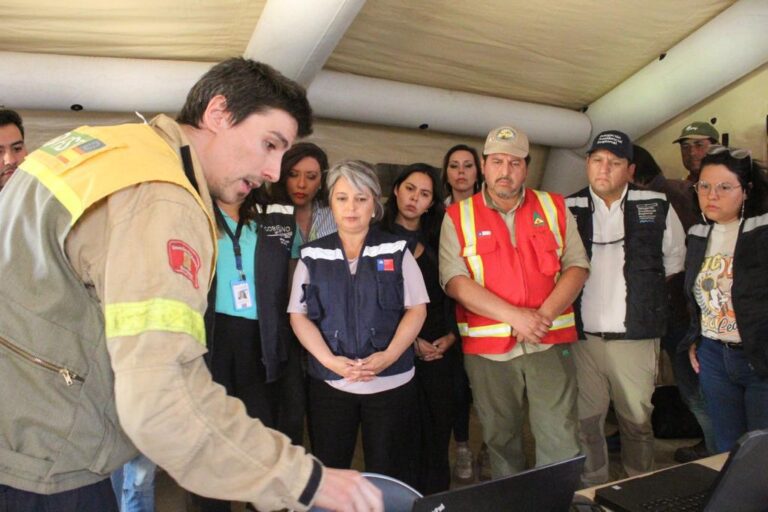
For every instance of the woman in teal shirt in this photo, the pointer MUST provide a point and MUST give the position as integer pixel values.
(250, 348)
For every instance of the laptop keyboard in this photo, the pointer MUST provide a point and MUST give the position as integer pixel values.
(691, 503)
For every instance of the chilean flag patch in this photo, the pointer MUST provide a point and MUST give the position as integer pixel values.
(385, 265)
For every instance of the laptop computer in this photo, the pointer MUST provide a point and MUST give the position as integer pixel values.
(741, 485)
(547, 488)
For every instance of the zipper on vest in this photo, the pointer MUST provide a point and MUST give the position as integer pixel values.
(69, 376)
(354, 313)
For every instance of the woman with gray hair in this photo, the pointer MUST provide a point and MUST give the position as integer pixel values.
(357, 304)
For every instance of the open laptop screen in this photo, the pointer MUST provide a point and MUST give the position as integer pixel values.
(547, 488)
(741, 485)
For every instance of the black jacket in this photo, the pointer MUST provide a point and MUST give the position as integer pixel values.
(749, 292)
(276, 231)
(645, 219)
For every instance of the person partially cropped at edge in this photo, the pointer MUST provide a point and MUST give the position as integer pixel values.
(103, 295)
(726, 284)
(13, 149)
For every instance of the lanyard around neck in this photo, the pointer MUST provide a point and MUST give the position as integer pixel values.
(235, 238)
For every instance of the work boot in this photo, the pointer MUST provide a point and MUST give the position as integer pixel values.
(691, 453)
(463, 469)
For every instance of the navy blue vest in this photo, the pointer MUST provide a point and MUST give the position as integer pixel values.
(273, 252)
(645, 219)
(357, 315)
(750, 287)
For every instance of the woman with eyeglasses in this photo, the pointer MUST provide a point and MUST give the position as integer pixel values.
(726, 283)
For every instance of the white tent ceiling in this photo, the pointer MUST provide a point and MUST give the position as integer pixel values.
(479, 61)
(563, 53)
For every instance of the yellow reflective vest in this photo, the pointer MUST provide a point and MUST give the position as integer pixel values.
(58, 421)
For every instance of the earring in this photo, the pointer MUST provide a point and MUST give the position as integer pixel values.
(742, 212)
(706, 221)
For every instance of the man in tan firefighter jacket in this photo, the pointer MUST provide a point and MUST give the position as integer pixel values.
(107, 255)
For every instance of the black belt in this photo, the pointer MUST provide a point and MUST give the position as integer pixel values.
(608, 336)
(733, 345)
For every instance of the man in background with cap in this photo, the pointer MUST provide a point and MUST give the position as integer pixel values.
(694, 141)
(512, 259)
(634, 241)
(680, 194)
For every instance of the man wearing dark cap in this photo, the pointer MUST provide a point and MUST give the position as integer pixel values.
(695, 139)
(512, 259)
(634, 241)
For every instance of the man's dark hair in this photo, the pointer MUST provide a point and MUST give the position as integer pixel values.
(293, 156)
(249, 87)
(8, 116)
(646, 168)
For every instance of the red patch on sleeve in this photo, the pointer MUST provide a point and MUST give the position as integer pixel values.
(184, 260)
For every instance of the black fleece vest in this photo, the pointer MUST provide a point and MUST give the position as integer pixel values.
(645, 217)
(750, 287)
(276, 231)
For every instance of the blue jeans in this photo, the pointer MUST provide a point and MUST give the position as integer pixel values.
(737, 398)
(134, 485)
(688, 383)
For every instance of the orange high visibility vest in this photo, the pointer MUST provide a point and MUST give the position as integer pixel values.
(523, 275)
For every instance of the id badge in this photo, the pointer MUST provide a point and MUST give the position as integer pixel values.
(241, 294)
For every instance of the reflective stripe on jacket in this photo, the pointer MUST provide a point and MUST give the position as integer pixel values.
(59, 427)
(523, 274)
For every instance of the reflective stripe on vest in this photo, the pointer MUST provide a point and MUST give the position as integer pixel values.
(550, 212)
(58, 187)
(503, 330)
(467, 216)
(564, 321)
(134, 318)
(475, 262)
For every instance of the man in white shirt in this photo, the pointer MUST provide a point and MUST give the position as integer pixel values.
(634, 240)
